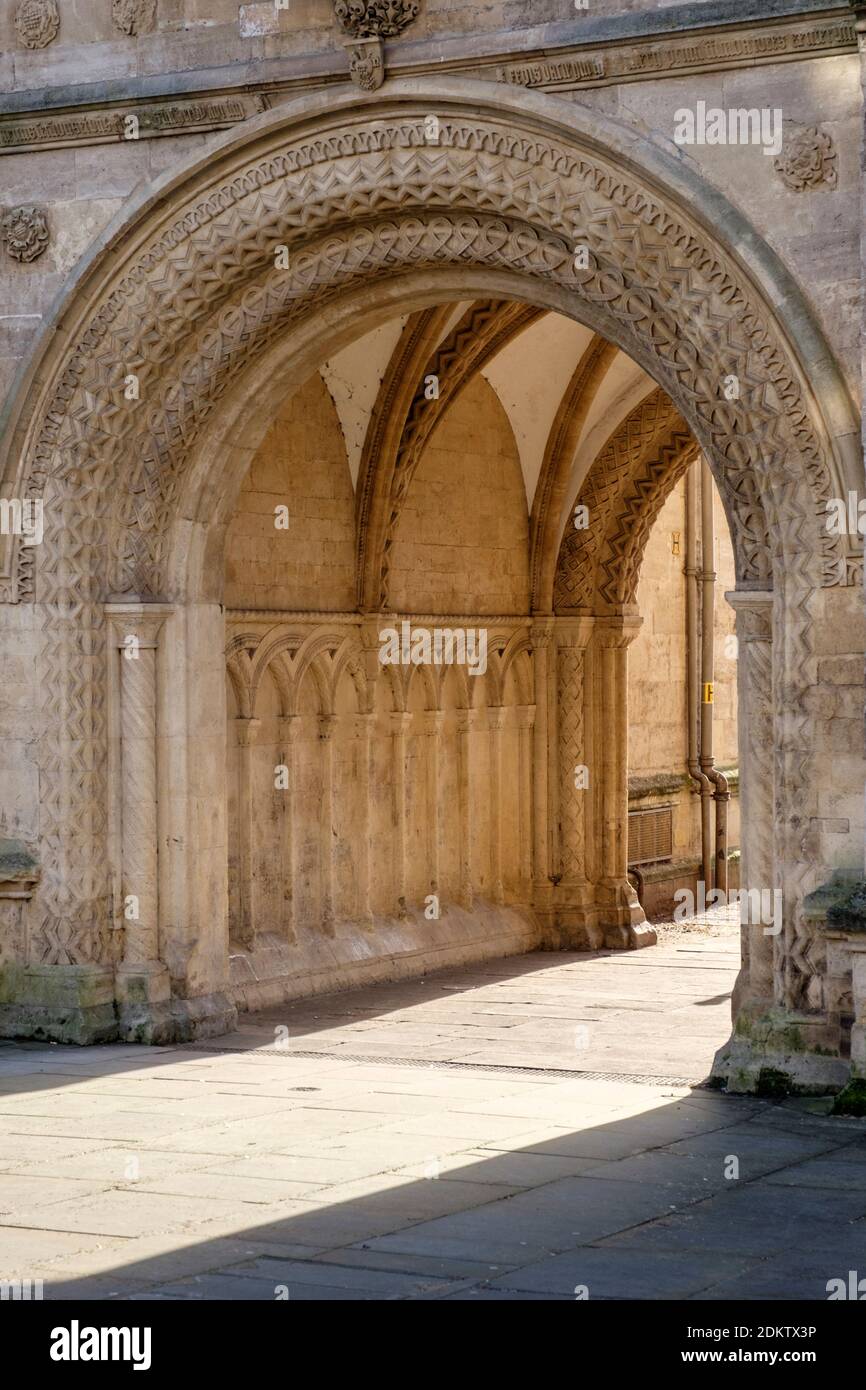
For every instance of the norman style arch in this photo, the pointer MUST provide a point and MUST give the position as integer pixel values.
(382, 210)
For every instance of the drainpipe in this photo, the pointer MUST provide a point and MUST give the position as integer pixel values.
(720, 793)
(690, 570)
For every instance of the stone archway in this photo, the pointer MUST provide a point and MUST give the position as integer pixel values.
(377, 205)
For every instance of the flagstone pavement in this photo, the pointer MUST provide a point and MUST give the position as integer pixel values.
(532, 1128)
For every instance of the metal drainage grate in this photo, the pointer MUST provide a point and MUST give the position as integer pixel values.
(696, 1083)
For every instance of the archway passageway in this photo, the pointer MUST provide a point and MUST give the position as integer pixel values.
(234, 293)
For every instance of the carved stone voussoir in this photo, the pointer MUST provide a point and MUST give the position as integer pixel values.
(808, 159)
(366, 63)
(24, 233)
(133, 17)
(37, 22)
(375, 19)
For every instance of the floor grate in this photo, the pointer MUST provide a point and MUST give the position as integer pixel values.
(434, 1064)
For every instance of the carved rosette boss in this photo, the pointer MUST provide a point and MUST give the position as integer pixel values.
(368, 23)
(24, 232)
(808, 159)
(37, 22)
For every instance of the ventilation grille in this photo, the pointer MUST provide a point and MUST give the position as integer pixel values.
(651, 835)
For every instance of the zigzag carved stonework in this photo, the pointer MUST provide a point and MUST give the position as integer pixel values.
(559, 452)
(624, 491)
(200, 301)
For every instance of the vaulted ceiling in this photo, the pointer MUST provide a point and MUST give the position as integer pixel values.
(586, 420)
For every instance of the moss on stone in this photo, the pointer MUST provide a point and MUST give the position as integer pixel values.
(852, 1099)
(772, 1082)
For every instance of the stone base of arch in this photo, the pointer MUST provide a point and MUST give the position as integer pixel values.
(88, 1004)
(389, 949)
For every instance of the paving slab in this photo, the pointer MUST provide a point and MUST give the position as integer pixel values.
(498, 1133)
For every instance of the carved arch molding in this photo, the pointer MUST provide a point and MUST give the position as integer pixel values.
(188, 297)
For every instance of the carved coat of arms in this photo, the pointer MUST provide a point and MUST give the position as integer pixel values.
(133, 16)
(37, 22)
(24, 232)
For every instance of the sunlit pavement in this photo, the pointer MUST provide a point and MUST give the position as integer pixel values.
(523, 1129)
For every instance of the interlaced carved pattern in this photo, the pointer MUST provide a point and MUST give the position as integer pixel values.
(569, 668)
(202, 299)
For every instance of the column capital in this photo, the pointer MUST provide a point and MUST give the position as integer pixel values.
(138, 619)
(467, 719)
(400, 720)
(433, 721)
(754, 610)
(524, 716)
(247, 730)
(540, 633)
(327, 725)
(616, 631)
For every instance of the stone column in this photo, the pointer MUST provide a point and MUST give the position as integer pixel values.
(365, 867)
(289, 729)
(400, 721)
(525, 716)
(327, 725)
(620, 913)
(542, 865)
(142, 979)
(433, 720)
(247, 732)
(466, 719)
(754, 612)
(495, 721)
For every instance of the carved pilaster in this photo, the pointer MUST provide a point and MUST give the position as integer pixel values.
(367, 724)
(619, 911)
(466, 720)
(495, 721)
(135, 633)
(246, 733)
(525, 715)
(754, 610)
(400, 722)
(542, 653)
(327, 725)
(433, 721)
(289, 731)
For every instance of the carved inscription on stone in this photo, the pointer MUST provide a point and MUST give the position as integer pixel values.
(94, 128)
(24, 232)
(37, 22)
